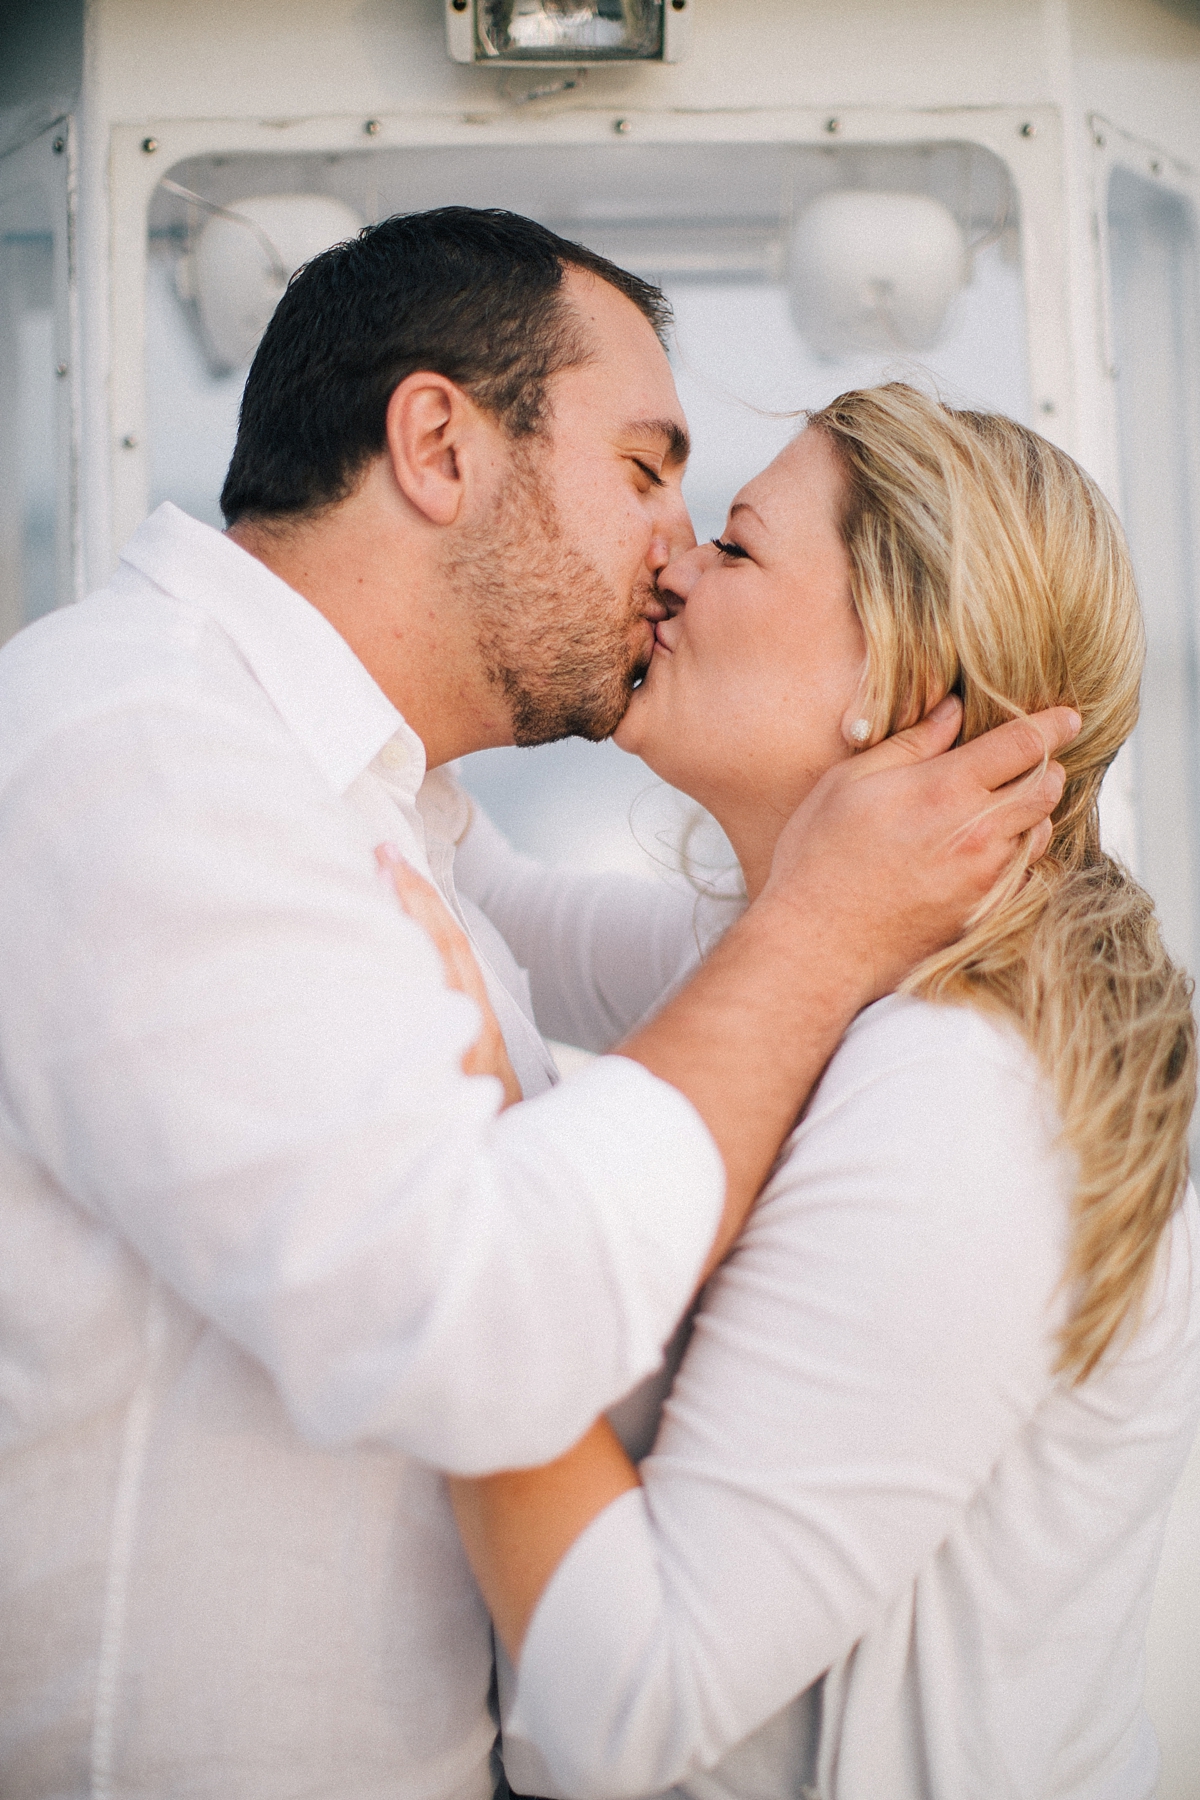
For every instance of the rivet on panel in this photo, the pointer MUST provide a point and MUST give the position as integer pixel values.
(149, 145)
(60, 144)
(60, 369)
(833, 126)
(622, 127)
(373, 127)
(129, 441)
(1029, 129)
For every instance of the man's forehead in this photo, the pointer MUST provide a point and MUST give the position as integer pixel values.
(624, 387)
(613, 325)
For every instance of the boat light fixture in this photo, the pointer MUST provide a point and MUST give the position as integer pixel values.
(243, 258)
(572, 32)
(875, 271)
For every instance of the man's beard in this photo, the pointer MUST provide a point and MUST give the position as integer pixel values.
(553, 635)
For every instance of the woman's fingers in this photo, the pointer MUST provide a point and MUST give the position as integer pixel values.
(425, 906)
(422, 902)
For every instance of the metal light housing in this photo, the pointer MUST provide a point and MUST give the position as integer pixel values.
(875, 272)
(244, 257)
(572, 33)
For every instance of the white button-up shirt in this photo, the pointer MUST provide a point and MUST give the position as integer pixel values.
(268, 1253)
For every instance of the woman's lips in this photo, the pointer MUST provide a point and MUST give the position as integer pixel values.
(660, 642)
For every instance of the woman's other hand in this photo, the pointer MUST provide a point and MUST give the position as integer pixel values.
(423, 904)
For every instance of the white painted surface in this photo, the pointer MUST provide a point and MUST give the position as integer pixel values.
(1173, 1644)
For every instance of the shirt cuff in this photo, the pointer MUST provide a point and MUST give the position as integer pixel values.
(595, 1712)
(656, 1187)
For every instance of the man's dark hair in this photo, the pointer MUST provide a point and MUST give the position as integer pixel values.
(469, 294)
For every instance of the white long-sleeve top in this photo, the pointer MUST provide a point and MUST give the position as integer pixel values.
(267, 1253)
(867, 1470)
(594, 948)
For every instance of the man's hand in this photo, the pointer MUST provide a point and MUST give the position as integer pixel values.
(883, 863)
(900, 847)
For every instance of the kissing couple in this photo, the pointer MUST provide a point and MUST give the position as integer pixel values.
(813, 1369)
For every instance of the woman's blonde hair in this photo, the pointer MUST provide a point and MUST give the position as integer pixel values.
(985, 562)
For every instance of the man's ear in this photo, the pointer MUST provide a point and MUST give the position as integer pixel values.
(432, 431)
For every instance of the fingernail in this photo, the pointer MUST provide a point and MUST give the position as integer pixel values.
(945, 707)
(388, 855)
(1078, 722)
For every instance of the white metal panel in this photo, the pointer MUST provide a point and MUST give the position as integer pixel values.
(38, 454)
(1026, 141)
(1151, 379)
(292, 59)
(1138, 63)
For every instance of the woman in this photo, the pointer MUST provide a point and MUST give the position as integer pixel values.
(923, 1440)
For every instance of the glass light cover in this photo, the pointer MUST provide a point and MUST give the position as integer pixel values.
(557, 30)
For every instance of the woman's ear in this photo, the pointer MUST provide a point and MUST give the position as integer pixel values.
(430, 423)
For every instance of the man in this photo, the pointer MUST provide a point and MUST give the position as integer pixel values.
(272, 1258)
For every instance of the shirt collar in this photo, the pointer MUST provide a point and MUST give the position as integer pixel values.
(337, 710)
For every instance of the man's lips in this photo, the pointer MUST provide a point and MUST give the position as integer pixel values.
(652, 614)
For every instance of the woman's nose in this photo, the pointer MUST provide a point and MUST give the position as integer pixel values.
(676, 581)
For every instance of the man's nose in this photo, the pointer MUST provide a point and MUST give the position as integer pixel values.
(658, 555)
(674, 533)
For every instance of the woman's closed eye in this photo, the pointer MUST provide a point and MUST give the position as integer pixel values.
(729, 548)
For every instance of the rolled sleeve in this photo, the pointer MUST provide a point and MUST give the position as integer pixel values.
(225, 1041)
(609, 1191)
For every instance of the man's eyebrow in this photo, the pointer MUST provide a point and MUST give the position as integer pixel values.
(679, 444)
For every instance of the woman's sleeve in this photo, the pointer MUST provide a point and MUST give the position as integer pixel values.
(882, 1330)
(600, 950)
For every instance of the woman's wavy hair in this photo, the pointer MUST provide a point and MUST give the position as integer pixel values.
(985, 562)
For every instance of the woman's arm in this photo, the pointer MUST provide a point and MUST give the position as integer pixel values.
(517, 1527)
(601, 950)
(882, 1330)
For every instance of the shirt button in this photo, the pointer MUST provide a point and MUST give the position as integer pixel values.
(394, 756)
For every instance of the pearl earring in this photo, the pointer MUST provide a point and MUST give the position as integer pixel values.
(860, 731)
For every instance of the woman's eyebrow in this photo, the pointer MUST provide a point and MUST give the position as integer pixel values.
(744, 506)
